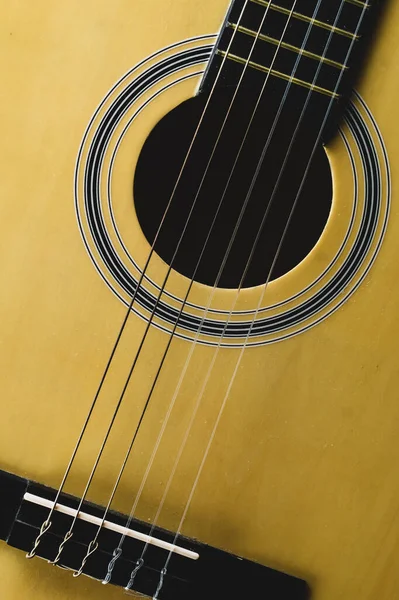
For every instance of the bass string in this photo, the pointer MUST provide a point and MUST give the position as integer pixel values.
(68, 535)
(180, 452)
(227, 394)
(118, 553)
(170, 408)
(169, 342)
(47, 524)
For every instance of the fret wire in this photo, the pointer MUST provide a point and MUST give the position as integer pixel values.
(359, 3)
(299, 16)
(285, 45)
(280, 75)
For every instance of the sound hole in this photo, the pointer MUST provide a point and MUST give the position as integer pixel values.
(214, 251)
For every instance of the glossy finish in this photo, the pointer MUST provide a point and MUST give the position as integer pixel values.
(302, 474)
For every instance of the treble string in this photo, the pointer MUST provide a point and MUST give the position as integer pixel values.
(94, 541)
(47, 523)
(141, 561)
(221, 269)
(260, 303)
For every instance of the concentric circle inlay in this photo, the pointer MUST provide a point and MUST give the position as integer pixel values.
(306, 302)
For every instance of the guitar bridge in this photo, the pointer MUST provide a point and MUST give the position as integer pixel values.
(194, 570)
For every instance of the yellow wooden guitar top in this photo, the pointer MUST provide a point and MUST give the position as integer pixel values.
(302, 472)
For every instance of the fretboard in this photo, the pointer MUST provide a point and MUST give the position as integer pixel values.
(312, 44)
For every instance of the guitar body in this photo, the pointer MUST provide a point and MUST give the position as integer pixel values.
(302, 471)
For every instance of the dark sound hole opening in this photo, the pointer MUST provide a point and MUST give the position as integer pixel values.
(206, 251)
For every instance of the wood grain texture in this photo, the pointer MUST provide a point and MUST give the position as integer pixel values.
(302, 474)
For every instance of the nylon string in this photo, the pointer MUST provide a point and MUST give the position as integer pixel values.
(221, 411)
(118, 550)
(177, 322)
(93, 545)
(181, 311)
(117, 553)
(47, 523)
(171, 406)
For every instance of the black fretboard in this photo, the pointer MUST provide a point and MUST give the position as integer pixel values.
(310, 44)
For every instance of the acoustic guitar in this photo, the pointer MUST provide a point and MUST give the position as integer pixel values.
(198, 300)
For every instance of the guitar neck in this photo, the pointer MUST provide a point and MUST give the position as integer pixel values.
(314, 45)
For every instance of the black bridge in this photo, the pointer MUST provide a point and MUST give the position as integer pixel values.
(214, 575)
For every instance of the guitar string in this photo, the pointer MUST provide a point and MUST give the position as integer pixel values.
(227, 394)
(46, 525)
(127, 455)
(93, 544)
(69, 533)
(118, 550)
